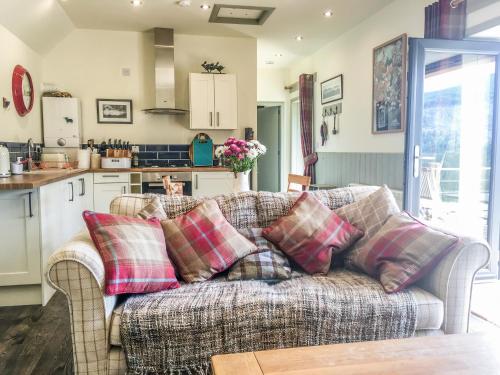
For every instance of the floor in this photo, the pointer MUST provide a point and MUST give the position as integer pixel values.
(36, 340)
(486, 301)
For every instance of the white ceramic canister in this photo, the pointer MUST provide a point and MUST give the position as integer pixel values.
(84, 159)
(17, 166)
(4, 161)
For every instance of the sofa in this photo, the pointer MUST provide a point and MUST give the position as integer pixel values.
(441, 299)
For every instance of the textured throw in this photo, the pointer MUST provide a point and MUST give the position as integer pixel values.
(177, 331)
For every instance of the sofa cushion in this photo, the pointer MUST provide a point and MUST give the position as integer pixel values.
(310, 232)
(153, 210)
(430, 309)
(267, 263)
(402, 252)
(202, 243)
(133, 252)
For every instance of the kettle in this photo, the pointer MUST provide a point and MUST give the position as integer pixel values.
(4, 162)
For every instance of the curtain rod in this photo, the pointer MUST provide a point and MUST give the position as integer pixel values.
(455, 3)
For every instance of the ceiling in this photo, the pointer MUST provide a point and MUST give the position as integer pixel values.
(43, 23)
(276, 36)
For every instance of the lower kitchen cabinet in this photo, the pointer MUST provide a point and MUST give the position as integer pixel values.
(108, 186)
(209, 184)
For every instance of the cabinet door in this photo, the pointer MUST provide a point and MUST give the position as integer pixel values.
(209, 184)
(105, 193)
(201, 101)
(20, 234)
(226, 101)
(85, 191)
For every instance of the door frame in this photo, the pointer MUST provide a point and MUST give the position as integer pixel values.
(281, 140)
(417, 48)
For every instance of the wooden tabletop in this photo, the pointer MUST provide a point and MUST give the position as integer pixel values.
(466, 354)
(37, 178)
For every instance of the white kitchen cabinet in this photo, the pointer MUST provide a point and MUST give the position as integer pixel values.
(61, 122)
(209, 184)
(108, 186)
(213, 101)
(20, 233)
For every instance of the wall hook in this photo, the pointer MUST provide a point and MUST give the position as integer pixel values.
(5, 103)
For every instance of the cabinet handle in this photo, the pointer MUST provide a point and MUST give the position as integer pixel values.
(82, 180)
(211, 118)
(218, 119)
(124, 189)
(30, 204)
(72, 192)
(110, 176)
(196, 182)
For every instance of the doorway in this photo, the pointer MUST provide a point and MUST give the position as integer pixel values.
(269, 134)
(453, 139)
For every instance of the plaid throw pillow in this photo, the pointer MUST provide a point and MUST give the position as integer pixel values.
(133, 251)
(268, 263)
(402, 252)
(202, 243)
(368, 214)
(309, 233)
(153, 210)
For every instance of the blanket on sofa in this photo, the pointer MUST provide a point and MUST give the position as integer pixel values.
(177, 331)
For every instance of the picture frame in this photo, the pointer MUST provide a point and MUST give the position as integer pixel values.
(332, 89)
(114, 111)
(389, 86)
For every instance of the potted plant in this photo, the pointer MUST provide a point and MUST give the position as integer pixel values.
(242, 156)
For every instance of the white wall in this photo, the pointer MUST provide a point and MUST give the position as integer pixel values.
(351, 55)
(271, 85)
(88, 64)
(12, 127)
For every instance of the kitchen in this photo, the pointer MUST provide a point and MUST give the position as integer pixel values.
(41, 209)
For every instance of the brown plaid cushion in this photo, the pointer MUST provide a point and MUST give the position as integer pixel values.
(268, 263)
(402, 252)
(369, 215)
(153, 209)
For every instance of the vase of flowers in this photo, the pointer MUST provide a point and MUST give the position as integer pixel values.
(242, 156)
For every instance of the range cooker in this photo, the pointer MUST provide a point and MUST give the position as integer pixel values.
(152, 182)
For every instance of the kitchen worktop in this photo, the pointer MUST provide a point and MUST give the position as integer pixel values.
(37, 178)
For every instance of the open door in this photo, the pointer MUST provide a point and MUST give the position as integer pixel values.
(453, 138)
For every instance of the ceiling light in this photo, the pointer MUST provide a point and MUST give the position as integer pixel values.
(328, 13)
(278, 54)
(136, 3)
(298, 38)
(184, 3)
(205, 7)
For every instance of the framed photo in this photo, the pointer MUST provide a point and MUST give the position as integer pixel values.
(389, 86)
(114, 111)
(332, 89)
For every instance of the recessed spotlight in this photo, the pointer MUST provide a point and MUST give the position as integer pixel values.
(205, 7)
(328, 13)
(278, 54)
(184, 3)
(136, 3)
(298, 38)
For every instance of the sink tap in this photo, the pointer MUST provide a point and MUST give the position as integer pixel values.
(30, 149)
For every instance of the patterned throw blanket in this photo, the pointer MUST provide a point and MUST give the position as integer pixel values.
(177, 331)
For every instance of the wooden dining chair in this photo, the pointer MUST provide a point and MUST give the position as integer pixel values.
(295, 179)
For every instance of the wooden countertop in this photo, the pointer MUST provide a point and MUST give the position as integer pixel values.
(37, 178)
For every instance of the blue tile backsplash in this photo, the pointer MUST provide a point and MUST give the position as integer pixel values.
(20, 149)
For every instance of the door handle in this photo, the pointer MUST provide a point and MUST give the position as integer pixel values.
(211, 118)
(124, 189)
(82, 181)
(72, 192)
(218, 119)
(416, 161)
(30, 204)
(196, 182)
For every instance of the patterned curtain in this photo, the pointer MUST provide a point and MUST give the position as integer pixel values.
(306, 96)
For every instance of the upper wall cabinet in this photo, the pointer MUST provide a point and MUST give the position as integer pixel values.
(213, 101)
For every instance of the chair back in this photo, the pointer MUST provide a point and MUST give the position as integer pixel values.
(295, 179)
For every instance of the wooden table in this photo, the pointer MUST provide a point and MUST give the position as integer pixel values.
(474, 354)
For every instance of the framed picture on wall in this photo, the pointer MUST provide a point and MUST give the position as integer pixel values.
(389, 86)
(332, 90)
(114, 111)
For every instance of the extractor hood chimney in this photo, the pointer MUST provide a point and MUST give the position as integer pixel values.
(164, 74)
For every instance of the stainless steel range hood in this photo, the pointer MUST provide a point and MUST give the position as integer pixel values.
(164, 74)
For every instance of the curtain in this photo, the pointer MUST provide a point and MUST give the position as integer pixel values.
(306, 97)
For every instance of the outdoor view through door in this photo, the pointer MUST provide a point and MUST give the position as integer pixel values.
(451, 137)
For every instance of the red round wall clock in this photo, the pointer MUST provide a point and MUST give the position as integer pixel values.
(22, 90)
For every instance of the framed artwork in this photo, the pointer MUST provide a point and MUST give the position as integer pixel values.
(332, 89)
(114, 111)
(389, 86)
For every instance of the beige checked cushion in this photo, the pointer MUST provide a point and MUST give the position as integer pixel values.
(153, 210)
(369, 215)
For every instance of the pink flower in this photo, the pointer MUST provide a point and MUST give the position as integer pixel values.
(241, 143)
(240, 156)
(234, 148)
(227, 153)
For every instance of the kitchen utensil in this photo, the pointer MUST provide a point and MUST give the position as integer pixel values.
(334, 123)
(4, 162)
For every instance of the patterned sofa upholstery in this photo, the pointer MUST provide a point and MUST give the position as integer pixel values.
(442, 297)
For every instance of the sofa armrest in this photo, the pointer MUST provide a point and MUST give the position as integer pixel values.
(77, 270)
(451, 281)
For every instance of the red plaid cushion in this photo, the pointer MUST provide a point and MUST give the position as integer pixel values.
(310, 232)
(402, 252)
(133, 251)
(202, 243)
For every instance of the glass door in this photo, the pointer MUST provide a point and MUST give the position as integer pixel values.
(452, 142)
